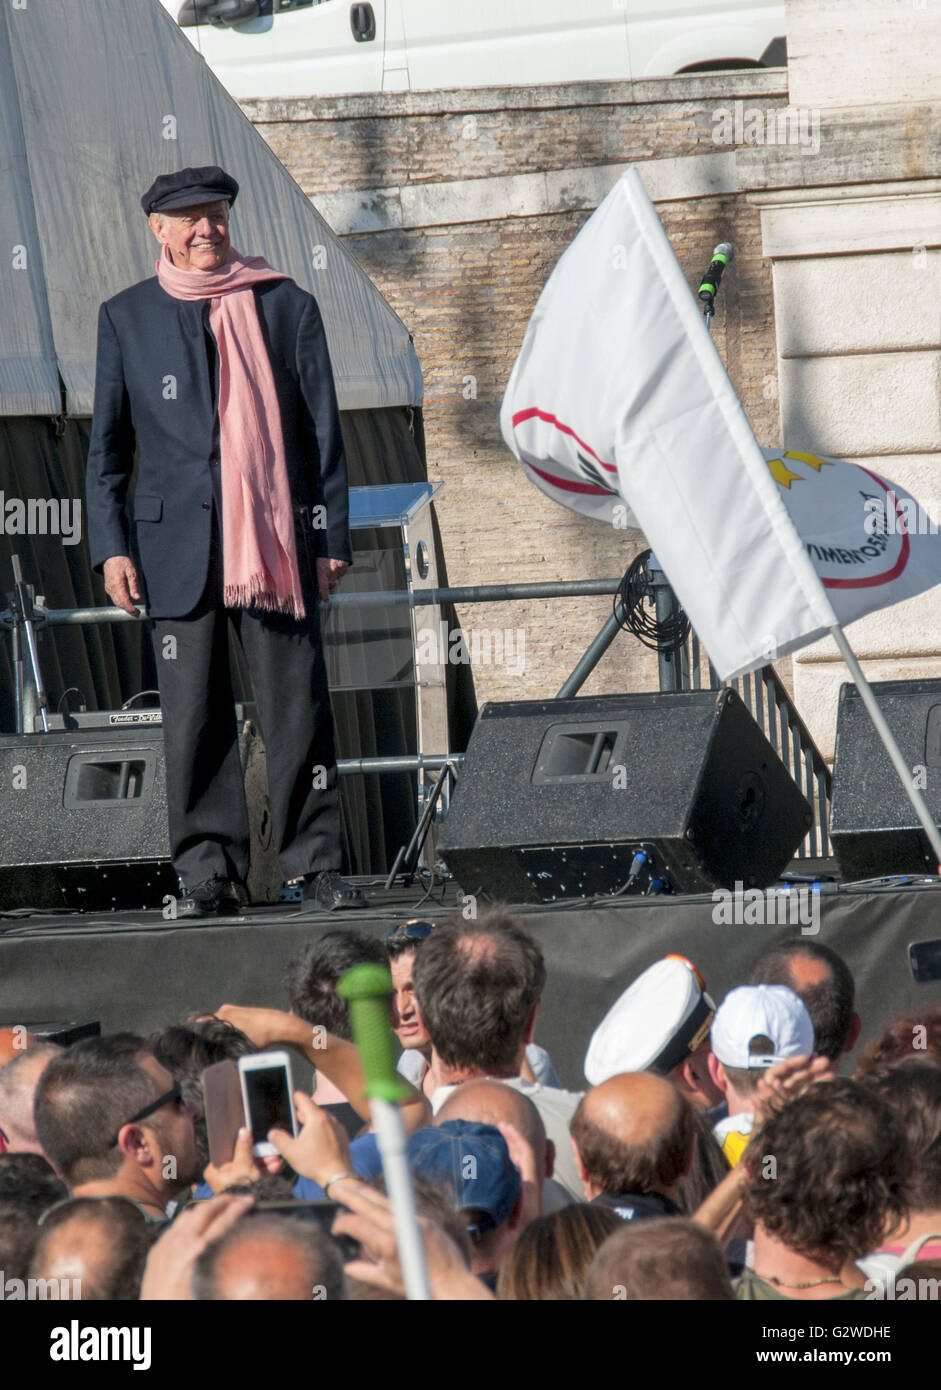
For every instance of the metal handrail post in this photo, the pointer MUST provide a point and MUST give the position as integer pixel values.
(589, 659)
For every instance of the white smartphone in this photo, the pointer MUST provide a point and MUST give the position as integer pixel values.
(268, 1098)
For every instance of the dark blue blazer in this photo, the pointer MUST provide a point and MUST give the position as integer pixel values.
(153, 387)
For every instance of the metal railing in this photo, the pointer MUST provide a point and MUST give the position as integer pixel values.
(761, 691)
(767, 700)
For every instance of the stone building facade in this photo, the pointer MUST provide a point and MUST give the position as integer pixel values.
(825, 176)
(458, 205)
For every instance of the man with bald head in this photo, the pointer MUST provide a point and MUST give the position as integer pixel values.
(267, 1257)
(822, 980)
(634, 1142)
(99, 1245)
(18, 1082)
(491, 1103)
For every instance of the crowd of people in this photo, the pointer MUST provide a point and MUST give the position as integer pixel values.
(716, 1154)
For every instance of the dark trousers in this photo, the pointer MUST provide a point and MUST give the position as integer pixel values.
(209, 829)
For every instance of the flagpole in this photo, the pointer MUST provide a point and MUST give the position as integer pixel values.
(888, 738)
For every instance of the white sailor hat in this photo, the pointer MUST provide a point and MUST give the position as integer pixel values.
(663, 1017)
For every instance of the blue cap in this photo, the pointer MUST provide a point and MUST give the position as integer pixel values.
(472, 1161)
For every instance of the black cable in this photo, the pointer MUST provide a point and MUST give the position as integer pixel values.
(432, 875)
(66, 693)
(641, 858)
(139, 696)
(633, 602)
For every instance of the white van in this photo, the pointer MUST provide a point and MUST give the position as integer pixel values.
(303, 48)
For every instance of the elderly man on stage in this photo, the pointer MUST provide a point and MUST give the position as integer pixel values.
(217, 370)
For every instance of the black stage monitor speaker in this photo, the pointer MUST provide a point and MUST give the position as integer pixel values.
(73, 796)
(873, 827)
(556, 796)
(84, 818)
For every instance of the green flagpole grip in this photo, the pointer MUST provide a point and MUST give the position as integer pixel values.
(367, 989)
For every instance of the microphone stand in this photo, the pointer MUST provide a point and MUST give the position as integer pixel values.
(23, 617)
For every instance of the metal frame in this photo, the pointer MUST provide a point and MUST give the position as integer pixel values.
(768, 701)
(762, 691)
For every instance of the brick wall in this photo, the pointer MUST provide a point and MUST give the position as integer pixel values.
(466, 288)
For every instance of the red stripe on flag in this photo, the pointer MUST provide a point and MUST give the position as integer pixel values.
(901, 562)
(569, 486)
(535, 413)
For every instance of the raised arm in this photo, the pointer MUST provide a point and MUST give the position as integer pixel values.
(335, 1057)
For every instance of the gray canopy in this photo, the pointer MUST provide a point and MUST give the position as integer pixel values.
(98, 97)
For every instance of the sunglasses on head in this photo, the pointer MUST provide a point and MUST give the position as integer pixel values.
(416, 930)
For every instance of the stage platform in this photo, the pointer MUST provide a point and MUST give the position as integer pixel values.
(137, 971)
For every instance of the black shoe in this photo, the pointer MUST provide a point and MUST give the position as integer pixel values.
(215, 897)
(325, 890)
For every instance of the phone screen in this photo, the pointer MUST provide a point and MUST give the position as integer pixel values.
(269, 1106)
(925, 959)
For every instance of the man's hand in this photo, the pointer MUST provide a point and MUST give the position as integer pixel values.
(243, 1167)
(329, 574)
(169, 1267)
(523, 1158)
(370, 1221)
(788, 1079)
(322, 1150)
(122, 584)
(336, 1058)
(267, 1028)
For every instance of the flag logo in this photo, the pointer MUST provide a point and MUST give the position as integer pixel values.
(852, 522)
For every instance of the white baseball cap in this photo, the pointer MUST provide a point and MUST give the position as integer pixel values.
(772, 1011)
(660, 1019)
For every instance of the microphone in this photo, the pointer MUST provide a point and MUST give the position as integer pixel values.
(722, 256)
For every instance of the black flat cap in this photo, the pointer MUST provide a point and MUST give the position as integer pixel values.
(188, 188)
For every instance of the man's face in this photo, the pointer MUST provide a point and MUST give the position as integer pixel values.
(172, 1127)
(406, 1020)
(198, 237)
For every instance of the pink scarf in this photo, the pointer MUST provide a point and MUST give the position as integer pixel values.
(258, 548)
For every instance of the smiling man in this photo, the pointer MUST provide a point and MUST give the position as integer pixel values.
(217, 372)
(197, 237)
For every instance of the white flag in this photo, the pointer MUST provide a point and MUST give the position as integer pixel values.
(619, 398)
(870, 542)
